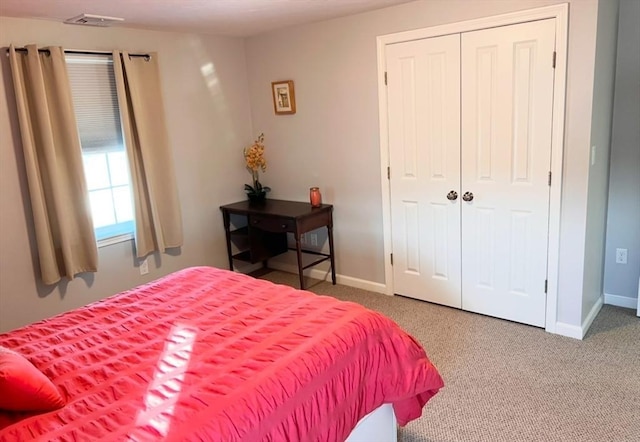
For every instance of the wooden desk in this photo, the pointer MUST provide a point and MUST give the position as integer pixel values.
(268, 223)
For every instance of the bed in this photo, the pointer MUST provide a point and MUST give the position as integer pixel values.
(209, 354)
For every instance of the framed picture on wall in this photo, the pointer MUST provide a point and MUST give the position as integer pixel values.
(284, 97)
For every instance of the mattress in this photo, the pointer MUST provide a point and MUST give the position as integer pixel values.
(208, 354)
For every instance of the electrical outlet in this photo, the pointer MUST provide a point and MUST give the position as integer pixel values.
(314, 239)
(144, 267)
(621, 256)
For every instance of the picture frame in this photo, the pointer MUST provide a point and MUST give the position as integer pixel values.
(284, 97)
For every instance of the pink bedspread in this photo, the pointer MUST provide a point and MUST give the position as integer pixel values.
(207, 354)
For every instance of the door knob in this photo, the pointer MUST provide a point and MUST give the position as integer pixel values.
(452, 196)
(468, 196)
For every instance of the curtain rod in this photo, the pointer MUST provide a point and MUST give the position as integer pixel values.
(74, 51)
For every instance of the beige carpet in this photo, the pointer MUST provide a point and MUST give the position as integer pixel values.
(510, 382)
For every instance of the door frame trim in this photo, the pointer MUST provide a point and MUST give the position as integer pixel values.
(560, 13)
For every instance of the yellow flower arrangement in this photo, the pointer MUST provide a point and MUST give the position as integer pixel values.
(255, 161)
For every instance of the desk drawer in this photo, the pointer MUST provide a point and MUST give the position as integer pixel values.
(271, 224)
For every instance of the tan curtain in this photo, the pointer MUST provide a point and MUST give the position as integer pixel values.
(157, 209)
(53, 160)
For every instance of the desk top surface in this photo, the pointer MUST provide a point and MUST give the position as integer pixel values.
(289, 209)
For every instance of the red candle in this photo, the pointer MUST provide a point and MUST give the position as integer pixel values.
(315, 197)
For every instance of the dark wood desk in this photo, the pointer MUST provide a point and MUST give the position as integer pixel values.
(268, 223)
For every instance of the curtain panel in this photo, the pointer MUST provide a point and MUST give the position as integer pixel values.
(155, 195)
(53, 159)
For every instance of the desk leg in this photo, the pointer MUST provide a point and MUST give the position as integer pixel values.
(227, 227)
(299, 252)
(333, 262)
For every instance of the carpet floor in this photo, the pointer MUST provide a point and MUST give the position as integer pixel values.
(511, 382)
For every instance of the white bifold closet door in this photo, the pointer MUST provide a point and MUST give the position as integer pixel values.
(424, 145)
(470, 148)
(507, 99)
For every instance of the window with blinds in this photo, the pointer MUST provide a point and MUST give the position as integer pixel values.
(95, 100)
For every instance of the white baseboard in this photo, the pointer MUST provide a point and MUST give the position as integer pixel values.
(325, 275)
(568, 330)
(586, 324)
(620, 301)
(578, 332)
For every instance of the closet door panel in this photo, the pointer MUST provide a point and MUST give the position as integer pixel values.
(507, 94)
(423, 94)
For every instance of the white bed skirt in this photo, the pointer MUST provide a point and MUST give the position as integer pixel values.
(378, 426)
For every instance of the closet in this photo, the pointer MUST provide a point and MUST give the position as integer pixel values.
(469, 120)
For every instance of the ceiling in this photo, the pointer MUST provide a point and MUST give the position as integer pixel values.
(240, 18)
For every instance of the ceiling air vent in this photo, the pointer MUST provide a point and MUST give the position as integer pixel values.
(93, 20)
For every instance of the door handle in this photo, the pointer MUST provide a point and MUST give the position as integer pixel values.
(452, 195)
(468, 196)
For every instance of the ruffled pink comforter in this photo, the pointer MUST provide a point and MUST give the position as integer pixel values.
(207, 354)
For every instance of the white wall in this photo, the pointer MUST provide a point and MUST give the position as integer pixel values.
(601, 118)
(209, 123)
(333, 140)
(623, 219)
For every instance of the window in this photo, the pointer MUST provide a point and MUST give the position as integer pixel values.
(106, 169)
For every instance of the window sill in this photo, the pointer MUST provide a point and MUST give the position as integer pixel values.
(115, 240)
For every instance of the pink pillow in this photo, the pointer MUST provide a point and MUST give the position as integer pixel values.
(23, 387)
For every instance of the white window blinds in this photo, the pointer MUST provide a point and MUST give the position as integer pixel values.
(95, 101)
